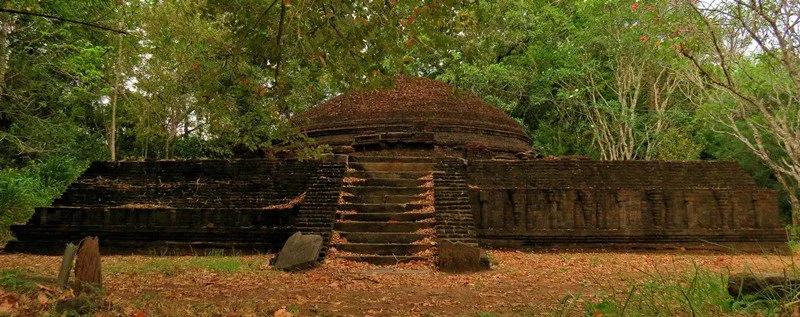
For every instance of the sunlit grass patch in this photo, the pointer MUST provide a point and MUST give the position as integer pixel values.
(170, 266)
(22, 281)
(699, 292)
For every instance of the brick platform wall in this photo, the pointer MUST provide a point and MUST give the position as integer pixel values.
(580, 201)
(190, 184)
(129, 230)
(317, 215)
(240, 204)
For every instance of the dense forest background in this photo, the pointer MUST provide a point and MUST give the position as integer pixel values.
(614, 80)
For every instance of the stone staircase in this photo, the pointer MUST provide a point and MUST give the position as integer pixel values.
(386, 212)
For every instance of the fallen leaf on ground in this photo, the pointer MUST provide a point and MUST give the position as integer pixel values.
(282, 313)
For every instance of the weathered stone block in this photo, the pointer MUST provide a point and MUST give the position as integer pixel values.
(300, 252)
(460, 257)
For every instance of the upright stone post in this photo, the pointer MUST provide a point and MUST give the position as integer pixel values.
(87, 265)
(66, 265)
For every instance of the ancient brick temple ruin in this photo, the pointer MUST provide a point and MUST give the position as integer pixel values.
(414, 164)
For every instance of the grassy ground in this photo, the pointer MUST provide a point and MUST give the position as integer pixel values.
(521, 283)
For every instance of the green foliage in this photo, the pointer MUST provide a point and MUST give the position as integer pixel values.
(294, 309)
(23, 189)
(55, 75)
(84, 304)
(696, 293)
(793, 241)
(20, 281)
(677, 145)
(559, 139)
(219, 79)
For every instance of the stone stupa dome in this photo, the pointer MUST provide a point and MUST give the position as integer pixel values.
(414, 111)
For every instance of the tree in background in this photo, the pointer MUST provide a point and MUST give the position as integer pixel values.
(591, 79)
(628, 88)
(227, 77)
(178, 78)
(52, 75)
(749, 51)
(55, 73)
(218, 79)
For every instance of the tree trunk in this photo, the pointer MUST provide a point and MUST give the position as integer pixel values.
(167, 147)
(279, 44)
(794, 202)
(112, 135)
(87, 266)
(5, 30)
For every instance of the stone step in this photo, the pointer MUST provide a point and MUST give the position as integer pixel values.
(413, 175)
(383, 259)
(387, 216)
(392, 166)
(389, 182)
(381, 237)
(383, 248)
(383, 190)
(381, 207)
(383, 199)
(373, 226)
(403, 159)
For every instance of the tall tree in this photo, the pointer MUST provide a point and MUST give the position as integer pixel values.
(629, 90)
(53, 77)
(595, 78)
(750, 51)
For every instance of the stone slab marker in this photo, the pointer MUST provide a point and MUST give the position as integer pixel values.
(87, 265)
(66, 264)
(299, 252)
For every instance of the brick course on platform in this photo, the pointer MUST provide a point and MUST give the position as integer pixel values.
(251, 183)
(244, 204)
(256, 204)
(540, 203)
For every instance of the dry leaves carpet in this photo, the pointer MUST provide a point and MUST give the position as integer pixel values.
(521, 283)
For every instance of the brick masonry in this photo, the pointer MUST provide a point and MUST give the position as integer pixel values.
(254, 204)
(318, 212)
(542, 202)
(251, 183)
(454, 214)
(244, 204)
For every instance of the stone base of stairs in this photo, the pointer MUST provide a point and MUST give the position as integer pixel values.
(384, 259)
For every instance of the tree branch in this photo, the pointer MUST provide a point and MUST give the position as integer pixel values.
(63, 19)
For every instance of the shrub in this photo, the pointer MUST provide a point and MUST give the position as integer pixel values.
(697, 293)
(20, 192)
(793, 237)
(35, 185)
